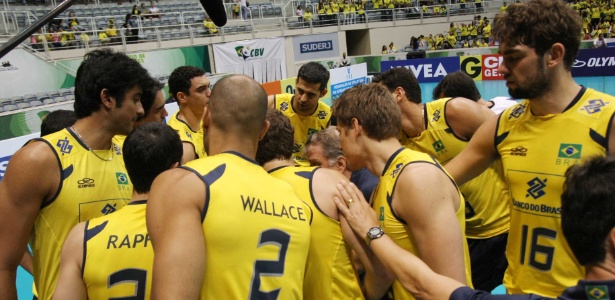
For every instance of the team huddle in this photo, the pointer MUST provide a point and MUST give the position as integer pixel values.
(248, 196)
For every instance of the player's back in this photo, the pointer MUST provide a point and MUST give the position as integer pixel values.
(118, 255)
(329, 273)
(257, 231)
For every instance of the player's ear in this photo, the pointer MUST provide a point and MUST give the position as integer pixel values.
(323, 93)
(106, 99)
(340, 164)
(264, 130)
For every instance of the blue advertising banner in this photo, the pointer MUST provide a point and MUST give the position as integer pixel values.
(425, 69)
(594, 62)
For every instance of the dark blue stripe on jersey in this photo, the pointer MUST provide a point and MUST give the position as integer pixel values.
(90, 233)
(496, 142)
(63, 173)
(242, 156)
(277, 168)
(85, 246)
(214, 174)
(596, 137)
(500, 138)
(576, 98)
(449, 129)
(608, 133)
(78, 139)
(310, 176)
(305, 174)
(391, 160)
(138, 202)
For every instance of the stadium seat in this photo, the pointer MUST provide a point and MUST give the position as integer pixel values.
(10, 107)
(48, 101)
(34, 103)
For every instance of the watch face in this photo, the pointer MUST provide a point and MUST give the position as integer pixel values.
(374, 231)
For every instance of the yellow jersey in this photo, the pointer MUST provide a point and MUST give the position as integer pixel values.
(188, 135)
(536, 151)
(395, 227)
(486, 196)
(330, 273)
(118, 255)
(303, 125)
(257, 231)
(90, 187)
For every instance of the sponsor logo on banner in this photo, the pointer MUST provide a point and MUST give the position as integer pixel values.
(247, 53)
(594, 62)
(4, 162)
(339, 88)
(316, 46)
(491, 62)
(426, 69)
(472, 66)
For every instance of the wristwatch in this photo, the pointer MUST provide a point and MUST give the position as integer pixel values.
(373, 233)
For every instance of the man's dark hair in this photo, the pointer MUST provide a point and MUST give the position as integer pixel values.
(456, 84)
(57, 120)
(179, 80)
(400, 77)
(105, 69)
(149, 150)
(588, 203)
(539, 24)
(313, 72)
(149, 95)
(279, 140)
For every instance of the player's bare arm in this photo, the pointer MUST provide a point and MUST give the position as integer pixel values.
(174, 210)
(428, 200)
(412, 272)
(271, 101)
(477, 156)
(465, 116)
(611, 137)
(70, 283)
(189, 152)
(33, 175)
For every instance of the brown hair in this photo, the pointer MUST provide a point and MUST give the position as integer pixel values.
(279, 140)
(374, 108)
(539, 24)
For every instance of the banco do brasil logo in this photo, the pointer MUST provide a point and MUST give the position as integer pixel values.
(246, 52)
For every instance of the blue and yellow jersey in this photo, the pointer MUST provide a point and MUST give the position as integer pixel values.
(118, 255)
(536, 151)
(257, 231)
(486, 196)
(91, 186)
(303, 125)
(329, 273)
(188, 135)
(397, 228)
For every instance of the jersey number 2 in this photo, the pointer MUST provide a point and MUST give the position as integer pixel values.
(269, 267)
(136, 276)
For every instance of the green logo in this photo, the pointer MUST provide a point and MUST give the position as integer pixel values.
(122, 178)
(246, 52)
(381, 218)
(570, 151)
(310, 131)
(438, 146)
(597, 292)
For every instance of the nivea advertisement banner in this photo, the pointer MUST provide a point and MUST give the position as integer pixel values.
(594, 62)
(425, 69)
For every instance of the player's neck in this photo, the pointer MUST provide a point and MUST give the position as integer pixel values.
(138, 196)
(412, 120)
(189, 117)
(601, 271)
(562, 92)
(94, 133)
(220, 142)
(276, 163)
(379, 153)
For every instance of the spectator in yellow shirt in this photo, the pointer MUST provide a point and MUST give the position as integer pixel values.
(211, 27)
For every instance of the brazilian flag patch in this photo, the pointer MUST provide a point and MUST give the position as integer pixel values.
(597, 292)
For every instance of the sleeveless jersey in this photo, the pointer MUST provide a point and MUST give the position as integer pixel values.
(329, 273)
(536, 151)
(304, 126)
(89, 188)
(187, 135)
(118, 255)
(256, 229)
(487, 212)
(394, 226)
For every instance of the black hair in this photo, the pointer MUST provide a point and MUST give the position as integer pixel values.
(314, 72)
(149, 150)
(457, 84)
(179, 80)
(149, 95)
(57, 120)
(588, 203)
(105, 69)
(401, 77)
